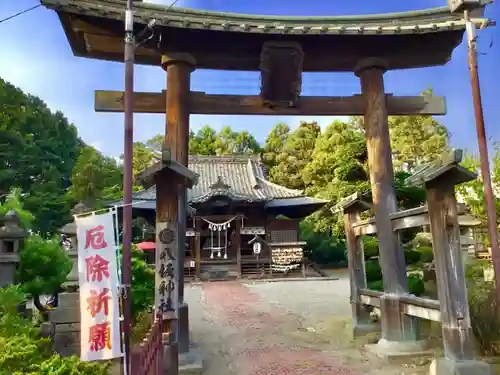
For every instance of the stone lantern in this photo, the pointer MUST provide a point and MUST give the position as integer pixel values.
(66, 317)
(11, 239)
(69, 232)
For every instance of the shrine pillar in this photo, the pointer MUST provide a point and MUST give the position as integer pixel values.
(399, 331)
(179, 68)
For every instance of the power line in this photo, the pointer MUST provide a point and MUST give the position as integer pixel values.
(18, 14)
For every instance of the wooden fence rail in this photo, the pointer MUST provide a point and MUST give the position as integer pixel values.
(418, 307)
(400, 311)
(147, 357)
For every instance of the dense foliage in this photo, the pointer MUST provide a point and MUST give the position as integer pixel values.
(143, 284)
(43, 268)
(24, 352)
(14, 202)
(484, 321)
(38, 150)
(472, 193)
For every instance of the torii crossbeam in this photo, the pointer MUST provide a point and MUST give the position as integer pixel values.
(201, 103)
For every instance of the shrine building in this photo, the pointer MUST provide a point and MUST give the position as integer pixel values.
(239, 224)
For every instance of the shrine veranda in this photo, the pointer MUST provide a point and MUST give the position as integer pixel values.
(282, 48)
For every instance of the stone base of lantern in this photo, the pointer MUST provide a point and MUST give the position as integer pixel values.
(66, 322)
(8, 264)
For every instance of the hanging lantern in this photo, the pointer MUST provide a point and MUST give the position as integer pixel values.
(257, 246)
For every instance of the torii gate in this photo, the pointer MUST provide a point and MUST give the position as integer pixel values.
(281, 48)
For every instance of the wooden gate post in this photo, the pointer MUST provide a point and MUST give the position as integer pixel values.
(179, 68)
(197, 247)
(237, 244)
(396, 326)
(458, 340)
(352, 207)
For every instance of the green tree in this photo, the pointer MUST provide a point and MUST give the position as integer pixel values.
(274, 144)
(92, 178)
(155, 143)
(38, 149)
(472, 193)
(203, 141)
(337, 169)
(245, 143)
(13, 202)
(43, 268)
(416, 139)
(142, 157)
(295, 155)
(229, 142)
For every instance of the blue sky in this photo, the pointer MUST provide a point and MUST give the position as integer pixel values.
(36, 57)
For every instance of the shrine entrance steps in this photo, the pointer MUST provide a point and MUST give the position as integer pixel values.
(225, 270)
(218, 271)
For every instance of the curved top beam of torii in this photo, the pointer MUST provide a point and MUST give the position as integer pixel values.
(231, 41)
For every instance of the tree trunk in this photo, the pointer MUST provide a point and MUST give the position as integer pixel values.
(38, 304)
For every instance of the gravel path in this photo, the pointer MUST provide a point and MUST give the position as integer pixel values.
(278, 328)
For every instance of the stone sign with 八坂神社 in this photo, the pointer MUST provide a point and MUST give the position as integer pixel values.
(166, 253)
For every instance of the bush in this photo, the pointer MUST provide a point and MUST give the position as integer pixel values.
(370, 246)
(24, 352)
(322, 248)
(422, 239)
(426, 254)
(483, 309)
(66, 366)
(416, 285)
(376, 285)
(475, 271)
(373, 271)
(141, 326)
(484, 315)
(143, 284)
(412, 256)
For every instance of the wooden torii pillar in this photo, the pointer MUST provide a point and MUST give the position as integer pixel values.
(176, 144)
(399, 331)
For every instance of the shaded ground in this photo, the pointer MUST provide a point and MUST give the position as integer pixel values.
(292, 328)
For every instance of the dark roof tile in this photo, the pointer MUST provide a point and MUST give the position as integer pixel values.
(240, 177)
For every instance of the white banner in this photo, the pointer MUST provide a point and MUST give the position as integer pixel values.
(99, 291)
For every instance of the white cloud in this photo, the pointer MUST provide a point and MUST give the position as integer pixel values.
(97, 145)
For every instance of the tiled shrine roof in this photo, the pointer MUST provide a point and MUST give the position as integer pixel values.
(419, 21)
(230, 41)
(240, 178)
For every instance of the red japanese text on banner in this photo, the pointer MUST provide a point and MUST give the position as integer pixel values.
(99, 291)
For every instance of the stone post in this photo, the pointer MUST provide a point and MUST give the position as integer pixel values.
(11, 239)
(66, 317)
(399, 331)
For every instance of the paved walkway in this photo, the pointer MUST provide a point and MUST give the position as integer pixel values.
(292, 328)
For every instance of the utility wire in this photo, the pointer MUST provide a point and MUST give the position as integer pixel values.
(18, 14)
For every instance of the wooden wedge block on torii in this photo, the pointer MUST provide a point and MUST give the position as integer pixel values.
(205, 104)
